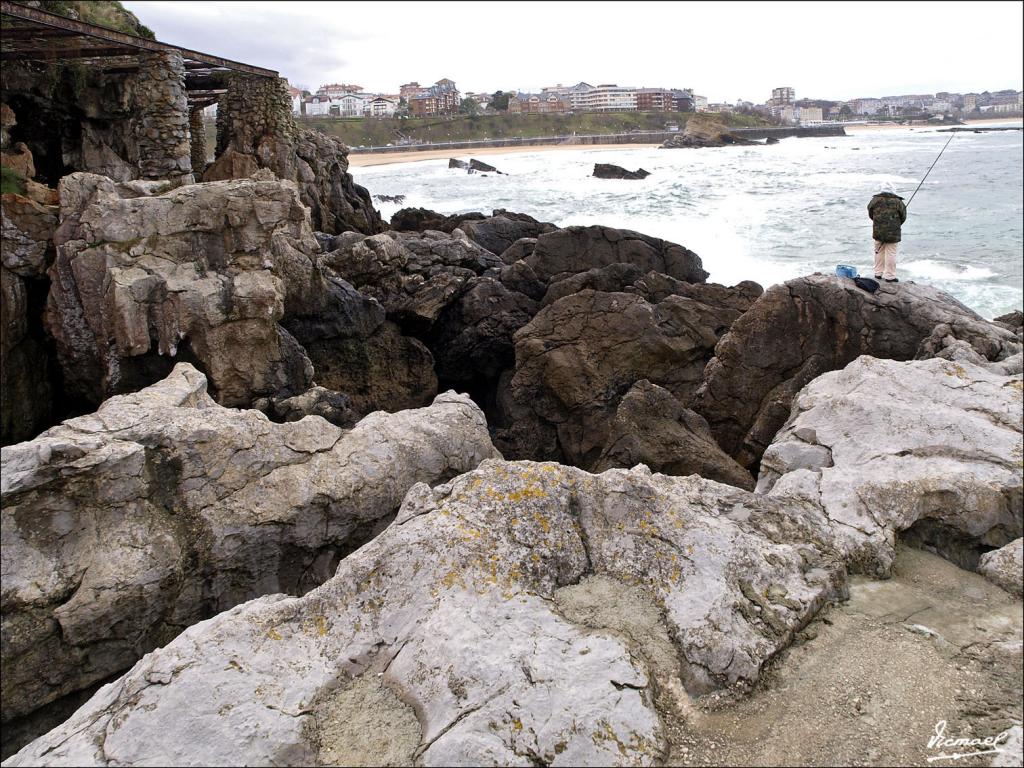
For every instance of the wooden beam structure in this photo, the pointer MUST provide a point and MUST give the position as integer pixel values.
(29, 34)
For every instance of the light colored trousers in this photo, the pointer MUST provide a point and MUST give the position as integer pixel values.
(885, 260)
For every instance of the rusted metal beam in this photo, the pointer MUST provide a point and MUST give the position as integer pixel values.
(192, 68)
(111, 36)
(22, 33)
(57, 54)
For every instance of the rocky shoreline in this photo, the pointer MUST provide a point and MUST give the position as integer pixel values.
(289, 482)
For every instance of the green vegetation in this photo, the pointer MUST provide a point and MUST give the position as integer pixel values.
(499, 101)
(11, 182)
(105, 13)
(380, 132)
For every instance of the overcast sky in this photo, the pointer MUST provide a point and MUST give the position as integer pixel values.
(723, 50)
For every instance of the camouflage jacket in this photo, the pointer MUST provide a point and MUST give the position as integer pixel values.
(888, 213)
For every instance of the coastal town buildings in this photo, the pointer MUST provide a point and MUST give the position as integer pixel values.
(382, 106)
(442, 98)
(654, 100)
(809, 115)
(782, 96)
(297, 99)
(408, 90)
(537, 103)
(607, 97)
(337, 90)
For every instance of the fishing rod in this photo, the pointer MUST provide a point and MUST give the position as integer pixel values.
(951, 135)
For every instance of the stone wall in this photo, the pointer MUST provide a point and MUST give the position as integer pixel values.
(161, 120)
(198, 140)
(125, 125)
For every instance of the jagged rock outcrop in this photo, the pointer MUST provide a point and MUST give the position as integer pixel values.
(422, 219)
(577, 358)
(652, 427)
(385, 371)
(930, 447)
(520, 249)
(225, 275)
(18, 159)
(26, 249)
(703, 131)
(803, 328)
(609, 171)
(496, 232)
(334, 407)
(1005, 567)
(653, 286)
(569, 251)
(535, 613)
(1013, 321)
(473, 339)
(413, 275)
(202, 273)
(163, 508)
(256, 129)
(479, 165)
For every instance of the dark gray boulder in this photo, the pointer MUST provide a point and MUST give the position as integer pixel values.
(800, 329)
(652, 427)
(609, 171)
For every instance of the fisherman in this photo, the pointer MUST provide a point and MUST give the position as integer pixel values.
(888, 213)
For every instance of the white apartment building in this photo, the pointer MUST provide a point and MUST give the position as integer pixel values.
(809, 115)
(867, 106)
(700, 103)
(347, 105)
(380, 107)
(609, 97)
(782, 96)
(577, 95)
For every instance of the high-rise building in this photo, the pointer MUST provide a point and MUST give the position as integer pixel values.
(782, 96)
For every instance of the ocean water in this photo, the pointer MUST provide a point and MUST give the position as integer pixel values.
(771, 213)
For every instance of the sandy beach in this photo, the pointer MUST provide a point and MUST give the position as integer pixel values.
(852, 129)
(388, 158)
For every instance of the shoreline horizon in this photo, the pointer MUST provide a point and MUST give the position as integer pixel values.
(395, 158)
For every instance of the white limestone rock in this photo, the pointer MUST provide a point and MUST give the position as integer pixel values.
(931, 448)
(123, 527)
(460, 608)
(1005, 567)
